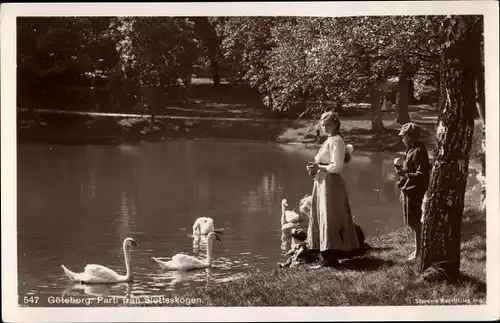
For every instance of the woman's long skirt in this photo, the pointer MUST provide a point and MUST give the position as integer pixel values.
(331, 226)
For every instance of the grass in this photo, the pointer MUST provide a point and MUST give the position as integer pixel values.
(382, 277)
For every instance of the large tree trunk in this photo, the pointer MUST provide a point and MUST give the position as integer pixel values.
(402, 115)
(444, 202)
(376, 102)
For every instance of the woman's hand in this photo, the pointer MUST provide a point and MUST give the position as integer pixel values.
(312, 168)
(399, 170)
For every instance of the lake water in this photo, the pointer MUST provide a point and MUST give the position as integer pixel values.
(76, 204)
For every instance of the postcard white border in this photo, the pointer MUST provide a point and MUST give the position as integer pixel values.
(10, 309)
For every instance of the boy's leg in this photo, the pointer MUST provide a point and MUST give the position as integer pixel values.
(414, 216)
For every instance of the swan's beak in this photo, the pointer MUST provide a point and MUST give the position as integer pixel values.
(134, 244)
(217, 237)
(218, 232)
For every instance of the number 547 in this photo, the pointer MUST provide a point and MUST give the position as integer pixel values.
(30, 299)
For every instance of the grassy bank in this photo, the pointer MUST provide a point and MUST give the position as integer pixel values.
(382, 277)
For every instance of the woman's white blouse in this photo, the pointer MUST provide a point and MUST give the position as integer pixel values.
(332, 152)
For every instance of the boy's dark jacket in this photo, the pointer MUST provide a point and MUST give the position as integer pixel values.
(417, 170)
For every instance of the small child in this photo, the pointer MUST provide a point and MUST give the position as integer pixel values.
(414, 180)
(299, 255)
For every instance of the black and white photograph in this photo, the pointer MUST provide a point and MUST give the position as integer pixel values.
(282, 161)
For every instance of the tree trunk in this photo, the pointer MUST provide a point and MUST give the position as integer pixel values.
(215, 73)
(375, 100)
(214, 60)
(444, 201)
(93, 95)
(402, 115)
(187, 86)
(411, 91)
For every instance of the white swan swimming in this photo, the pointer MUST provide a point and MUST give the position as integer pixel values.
(97, 274)
(185, 262)
(202, 227)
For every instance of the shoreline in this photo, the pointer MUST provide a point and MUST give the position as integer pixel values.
(86, 129)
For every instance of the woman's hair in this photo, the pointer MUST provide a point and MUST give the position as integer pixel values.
(331, 117)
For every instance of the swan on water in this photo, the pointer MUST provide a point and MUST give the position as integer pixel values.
(185, 262)
(203, 226)
(97, 274)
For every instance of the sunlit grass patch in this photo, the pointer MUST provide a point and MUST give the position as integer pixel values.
(382, 277)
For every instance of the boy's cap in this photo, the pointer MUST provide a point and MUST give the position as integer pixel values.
(410, 128)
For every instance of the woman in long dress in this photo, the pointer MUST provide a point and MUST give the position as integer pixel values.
(331, 227)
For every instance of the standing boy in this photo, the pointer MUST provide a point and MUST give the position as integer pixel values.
(414, 180)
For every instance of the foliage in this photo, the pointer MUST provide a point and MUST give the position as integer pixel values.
(71, 59)
(329, 59)
(56, 53)
(156, 50)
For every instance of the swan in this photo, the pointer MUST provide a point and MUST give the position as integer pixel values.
(294, 217)
(288, 216)
(185, 262)
(293, 224)
(203, 226)
(97, 274)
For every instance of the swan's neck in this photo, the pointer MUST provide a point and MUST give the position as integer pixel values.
(196, 229)
(126, 254)
(209, 252)
(283, 211)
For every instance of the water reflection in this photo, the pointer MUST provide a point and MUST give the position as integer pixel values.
(179, 277)
(97, 290)
(101, 194)
(200, 245)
